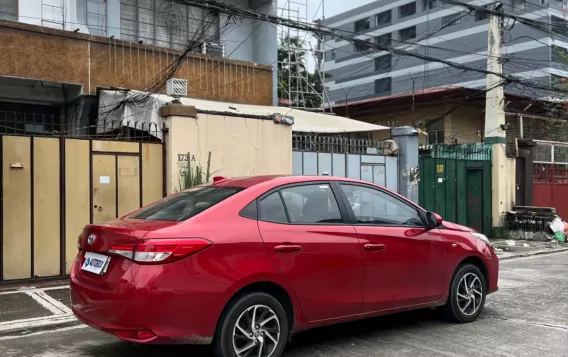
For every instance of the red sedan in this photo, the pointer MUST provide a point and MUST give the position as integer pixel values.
(245, 263)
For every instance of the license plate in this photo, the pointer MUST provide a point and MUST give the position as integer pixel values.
(96, 263)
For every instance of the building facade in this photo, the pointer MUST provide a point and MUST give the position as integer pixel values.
(55, 55)
(437, 29)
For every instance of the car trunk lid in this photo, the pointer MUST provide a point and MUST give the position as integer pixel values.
(99, 238)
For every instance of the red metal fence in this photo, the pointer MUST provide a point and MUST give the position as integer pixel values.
(550, 187)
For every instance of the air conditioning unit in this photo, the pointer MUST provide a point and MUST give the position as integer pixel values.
(176, 87)
(213, 49)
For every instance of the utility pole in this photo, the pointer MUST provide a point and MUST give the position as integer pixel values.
(495, 119)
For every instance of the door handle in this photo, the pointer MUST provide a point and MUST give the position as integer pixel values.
(288, 248)
(374, 247)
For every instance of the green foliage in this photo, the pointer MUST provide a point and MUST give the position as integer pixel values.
(291, 67)
(193, 175)
(500, 233)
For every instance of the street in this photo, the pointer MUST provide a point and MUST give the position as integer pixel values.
(527, 317)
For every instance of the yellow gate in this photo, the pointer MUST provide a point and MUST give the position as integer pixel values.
(53, 187)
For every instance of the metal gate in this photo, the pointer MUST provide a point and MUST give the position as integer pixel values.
(456, 183)
(53, 186)
(338, 156)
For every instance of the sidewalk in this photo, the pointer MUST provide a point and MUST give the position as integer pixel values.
(508, 249)
(28, 309)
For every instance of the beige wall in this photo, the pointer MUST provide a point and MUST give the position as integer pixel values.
(239, 146)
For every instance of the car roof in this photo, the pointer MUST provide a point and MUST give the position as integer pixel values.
(250, 181)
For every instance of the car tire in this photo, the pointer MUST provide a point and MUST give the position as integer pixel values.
(272, 336)
(467, 294)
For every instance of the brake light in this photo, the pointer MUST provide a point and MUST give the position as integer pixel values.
(160, 251)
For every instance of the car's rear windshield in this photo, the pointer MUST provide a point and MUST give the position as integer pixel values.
(186, 204)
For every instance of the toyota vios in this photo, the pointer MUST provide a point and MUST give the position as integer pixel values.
(245, 263)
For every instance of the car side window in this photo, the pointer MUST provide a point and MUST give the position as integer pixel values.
(373, 206)
(272, 209)
(311, 204)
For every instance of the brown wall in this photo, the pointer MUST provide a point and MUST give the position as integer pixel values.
(462, 123)
(36, 52)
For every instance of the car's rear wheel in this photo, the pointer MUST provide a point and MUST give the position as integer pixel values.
(467, 294)
(253, 325)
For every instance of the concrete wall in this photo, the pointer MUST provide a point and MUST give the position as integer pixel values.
(94, 62)
(238, 146)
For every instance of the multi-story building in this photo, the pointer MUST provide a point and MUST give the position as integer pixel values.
(55, 55)
(440, 30)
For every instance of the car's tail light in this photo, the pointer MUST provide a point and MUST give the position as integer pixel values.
(160, 251)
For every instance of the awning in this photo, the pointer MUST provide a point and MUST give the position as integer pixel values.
(304, 121)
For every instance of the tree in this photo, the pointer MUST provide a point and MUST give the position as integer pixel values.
(294, 77)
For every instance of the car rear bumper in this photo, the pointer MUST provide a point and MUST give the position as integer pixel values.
(169, 303)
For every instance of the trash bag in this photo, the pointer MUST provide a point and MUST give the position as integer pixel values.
(560, 237)
(557, 225)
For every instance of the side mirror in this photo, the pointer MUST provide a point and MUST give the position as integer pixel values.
(434, 220)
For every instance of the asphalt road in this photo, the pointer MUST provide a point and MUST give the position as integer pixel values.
(527, 317)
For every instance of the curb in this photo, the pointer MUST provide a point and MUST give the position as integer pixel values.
(24, 327)
(540, 252)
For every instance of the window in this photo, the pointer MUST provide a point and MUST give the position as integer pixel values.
(250, 211)
(9, 10)
(383, 86)
(384, 40)
(452, 20)
(517, 5)
(375, 207)
(311, 204)
(407, 33)
(435, 130)
(384, 18)
(481, 15)
(172, 26)
(93, 13)
(559, 25)
(272, 209)
(383, 63)
(332, 55)
(407, 10)
(428, 4)
(360, 47)
(363, 25)
(186, 204)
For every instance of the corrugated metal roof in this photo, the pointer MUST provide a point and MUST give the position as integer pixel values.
(304, 121)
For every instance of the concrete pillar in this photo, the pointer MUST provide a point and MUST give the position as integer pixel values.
(495, 121)
(406, 138)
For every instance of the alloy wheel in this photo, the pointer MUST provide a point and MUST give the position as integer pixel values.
(256, 332)
(470, 294)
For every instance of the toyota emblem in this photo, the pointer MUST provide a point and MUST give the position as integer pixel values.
(91, 239)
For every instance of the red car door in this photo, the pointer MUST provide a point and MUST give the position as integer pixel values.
(313, 245)
(404, 262)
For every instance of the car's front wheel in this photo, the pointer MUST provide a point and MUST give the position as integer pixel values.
(254, 325)
(467, 294)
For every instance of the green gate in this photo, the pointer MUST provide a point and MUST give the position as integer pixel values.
(455, 182)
